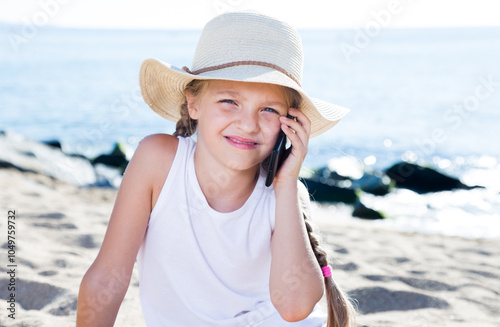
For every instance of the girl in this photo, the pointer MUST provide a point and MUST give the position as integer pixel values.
(214, 245)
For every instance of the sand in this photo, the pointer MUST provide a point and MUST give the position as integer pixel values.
(398, 279)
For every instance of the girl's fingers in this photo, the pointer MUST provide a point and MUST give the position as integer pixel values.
(302, 119)
(297, 132)
(294, 134)
(300, 127)
(299, 144)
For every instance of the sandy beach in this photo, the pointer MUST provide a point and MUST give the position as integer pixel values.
(397, 279)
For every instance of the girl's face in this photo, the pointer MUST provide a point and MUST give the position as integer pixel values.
(238, 122)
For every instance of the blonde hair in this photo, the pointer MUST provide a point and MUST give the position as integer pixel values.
(186, 126)
(341, 313)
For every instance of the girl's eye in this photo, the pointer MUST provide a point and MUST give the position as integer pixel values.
(271, 110)
(227, 101)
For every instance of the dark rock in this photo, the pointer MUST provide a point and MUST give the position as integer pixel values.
(422, 179)
(109, 160)
(373, 182)
(361, 211)
(343, 178)
(7, 165)
(77, 155)
(325, 172)
(324, 192)
(107, 176)
(31, 156)
(53, 143)
(376, 183)
(117, 158)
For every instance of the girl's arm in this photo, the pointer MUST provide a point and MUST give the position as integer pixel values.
(296, 281)
(104, 285)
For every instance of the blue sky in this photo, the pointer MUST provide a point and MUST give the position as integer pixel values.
(182, 14)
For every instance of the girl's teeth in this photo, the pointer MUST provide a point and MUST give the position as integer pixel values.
(242, 142)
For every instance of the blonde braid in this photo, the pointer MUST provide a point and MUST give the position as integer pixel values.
(186, 126)
(341, 313)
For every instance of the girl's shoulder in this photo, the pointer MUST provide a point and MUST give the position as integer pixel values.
(156, 153)
(159, 143)
(157, 150)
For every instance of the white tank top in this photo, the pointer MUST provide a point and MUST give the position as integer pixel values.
(199, 267)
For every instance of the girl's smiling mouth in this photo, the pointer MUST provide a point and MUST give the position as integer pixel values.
(241, 142)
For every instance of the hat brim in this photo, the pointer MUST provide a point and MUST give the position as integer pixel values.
(162, 87)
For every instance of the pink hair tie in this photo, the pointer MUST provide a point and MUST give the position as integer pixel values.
(327, 271)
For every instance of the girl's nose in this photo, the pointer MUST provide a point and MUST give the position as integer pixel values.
(248, 121)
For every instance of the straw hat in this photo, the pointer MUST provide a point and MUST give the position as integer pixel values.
(239, 46)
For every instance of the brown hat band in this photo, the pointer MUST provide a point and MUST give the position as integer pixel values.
(241, 63)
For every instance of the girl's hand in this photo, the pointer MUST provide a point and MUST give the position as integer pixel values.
(298, 133)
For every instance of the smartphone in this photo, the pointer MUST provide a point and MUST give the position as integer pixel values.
(278, 155)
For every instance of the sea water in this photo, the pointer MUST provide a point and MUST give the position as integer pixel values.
(430, 96)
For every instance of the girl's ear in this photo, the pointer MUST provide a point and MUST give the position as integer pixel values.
(192, 105)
